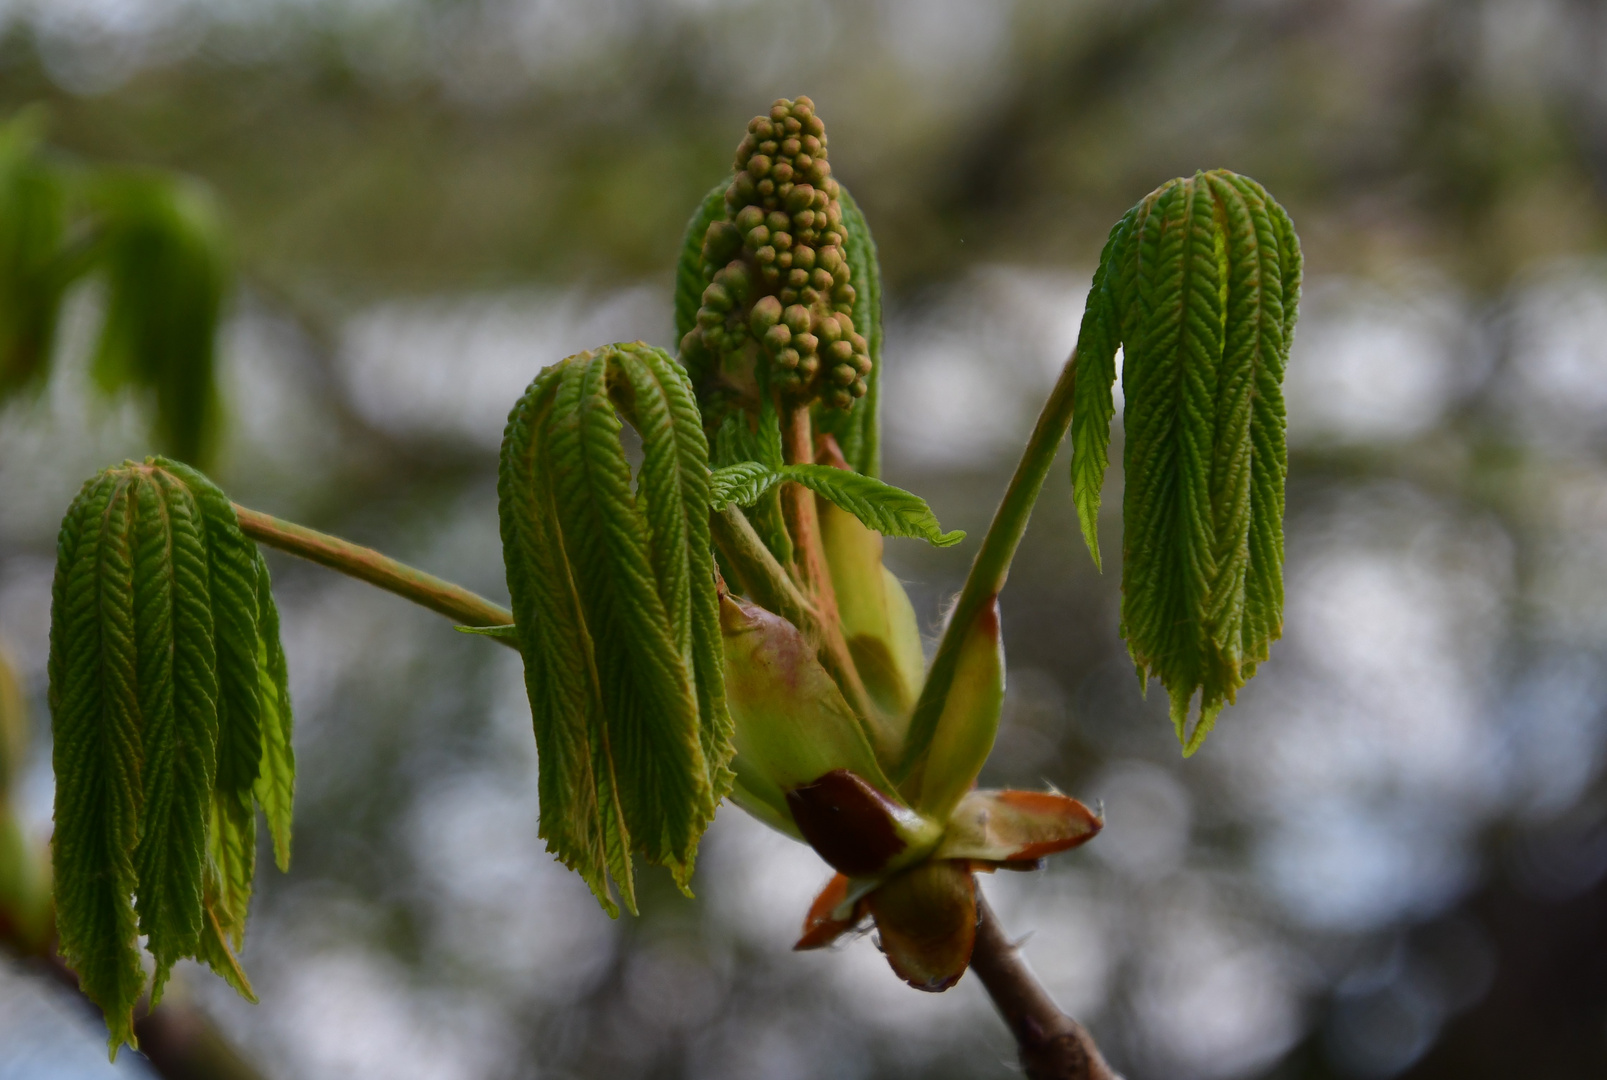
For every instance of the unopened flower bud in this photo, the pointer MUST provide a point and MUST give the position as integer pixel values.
(749, 218)
(717, 298)
(721, 243)
(766, 314)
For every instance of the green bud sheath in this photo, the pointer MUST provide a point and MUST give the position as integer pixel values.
(969, 722)
(791, 724)
(777, 309)
(878, 621)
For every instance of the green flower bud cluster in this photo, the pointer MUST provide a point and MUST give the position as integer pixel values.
(779, 280)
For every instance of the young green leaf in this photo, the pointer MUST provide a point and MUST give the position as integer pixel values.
(95, 725)
(168, 709)
(889, 510)
(743, 484)
(858, 430)
(734, 442)
(691, 275)
(179, 718)
(1198, 285)
(768, 441)
(275, 787)
(613, 598)
(1097, 342)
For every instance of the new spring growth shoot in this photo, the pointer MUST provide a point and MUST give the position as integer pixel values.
(714, 621)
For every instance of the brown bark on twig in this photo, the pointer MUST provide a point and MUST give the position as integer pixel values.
(1053, 1045)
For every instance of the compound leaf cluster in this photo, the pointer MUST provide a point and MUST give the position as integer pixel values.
(1198, 286)
(613, 587)
(171, 719)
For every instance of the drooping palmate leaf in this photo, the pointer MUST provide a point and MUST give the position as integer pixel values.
(618, 621)
(1198, 286)
(169, 709)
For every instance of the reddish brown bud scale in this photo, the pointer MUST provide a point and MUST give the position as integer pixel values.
(1004, 827)
(826, 922)
(848, 822)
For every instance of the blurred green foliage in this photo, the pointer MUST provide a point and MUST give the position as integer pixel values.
(414, 146)
(153, 241)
